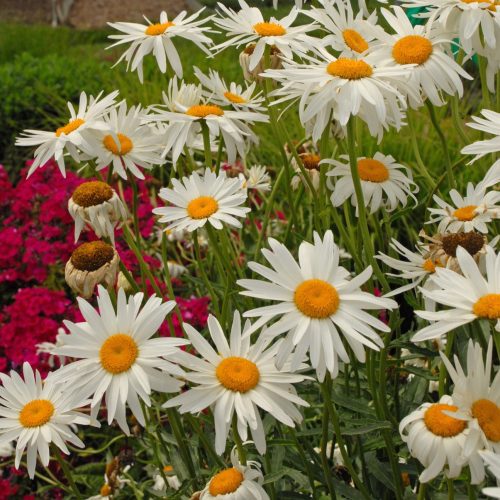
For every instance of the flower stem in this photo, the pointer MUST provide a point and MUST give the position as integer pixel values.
(206, 145)
(67, 472)
(237, 440)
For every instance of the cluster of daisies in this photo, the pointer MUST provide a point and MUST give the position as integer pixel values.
(316, 315)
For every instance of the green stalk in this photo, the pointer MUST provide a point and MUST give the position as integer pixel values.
(237, 440)
(206, 144)
(67, 472)
(442, 368)
(451, 489)
(484, 83)
(324, 459)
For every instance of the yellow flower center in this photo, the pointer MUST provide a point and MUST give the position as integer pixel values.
(36, 413)
(491, 7)
(92, 193)
(316, 299)
(465, 213)
(70, 127)
(269, 29)
(235, 98)
(488, 306)
(443, 425)
(372, 170)
(354, 41)
(92, 256)
(105, 490)
(168, 468)
(158, 28)
(118, 353)
(350, 69)
(488, 416)
(237, 374)
(430, 266)
(202, 207)
(226, 481)
(204, 110)
(126, 145)
(310, 161)
(412, 49)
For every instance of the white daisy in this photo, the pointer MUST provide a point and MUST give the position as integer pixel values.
(71, 137)
(157, 38)
(428, 48)
(256, 177)
(436, 439)
(317, 298)
(216, 90)
(248, 25)
(417, 267)
(238, 378)
(187, 109)
(385, 182)
(198, 199)
(471, 212)
(348, 34)
(470, 296)
(239, 482)
(327, 88)
(126, 145)
(472, 20)
(489, 124)
(477, 399)
(116, 356)
(36, 414)
(492, 461)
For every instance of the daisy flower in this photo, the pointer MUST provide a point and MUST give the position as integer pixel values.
(492, 461)
(489, 124)
(126, 145)
(97, 204)
(437, 439)
(256, 177)
(477, 399)
(237, 379)
(187, 110)
(317, 300)
(116, 356)
(71, 137)
(470, 296)
(473, 21)
(417, 267)
(311, 163)
(36, 414)
(236, 483)
(156, 38)
(385, 182)
(219, 92)
(427, 47)
(198, 199)
(471, 212)
(348, 34)
(338, 88)
(248, 25)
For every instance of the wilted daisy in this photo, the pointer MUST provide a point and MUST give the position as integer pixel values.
(69, 138)
(236, 483)
(385, 182)
(248, 25)
(478, 400)
(198, 199)
(489, 124)
(348, 34)
(311, 163)
(327, 88)
(427, 47)
(436, 439)
(116, 356)
(91, 264)
(37, 414)
(253, 75)
(469, 296)
(126, 145)
(417, 266)
(188, 109)
(473, 21)
(316, 298)
(470, 212)
(96, 203)
(492, 461)
(156, 38)
(219, 92)
(237, 378)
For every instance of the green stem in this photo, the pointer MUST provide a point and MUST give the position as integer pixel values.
(451, 489)
(67, 472)
(442, 368)
(484, 83)
(237, 440)
(206, 144)
(267, 462)
(421, 491)
(193, 422)
(306, 463)
(324, 459)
